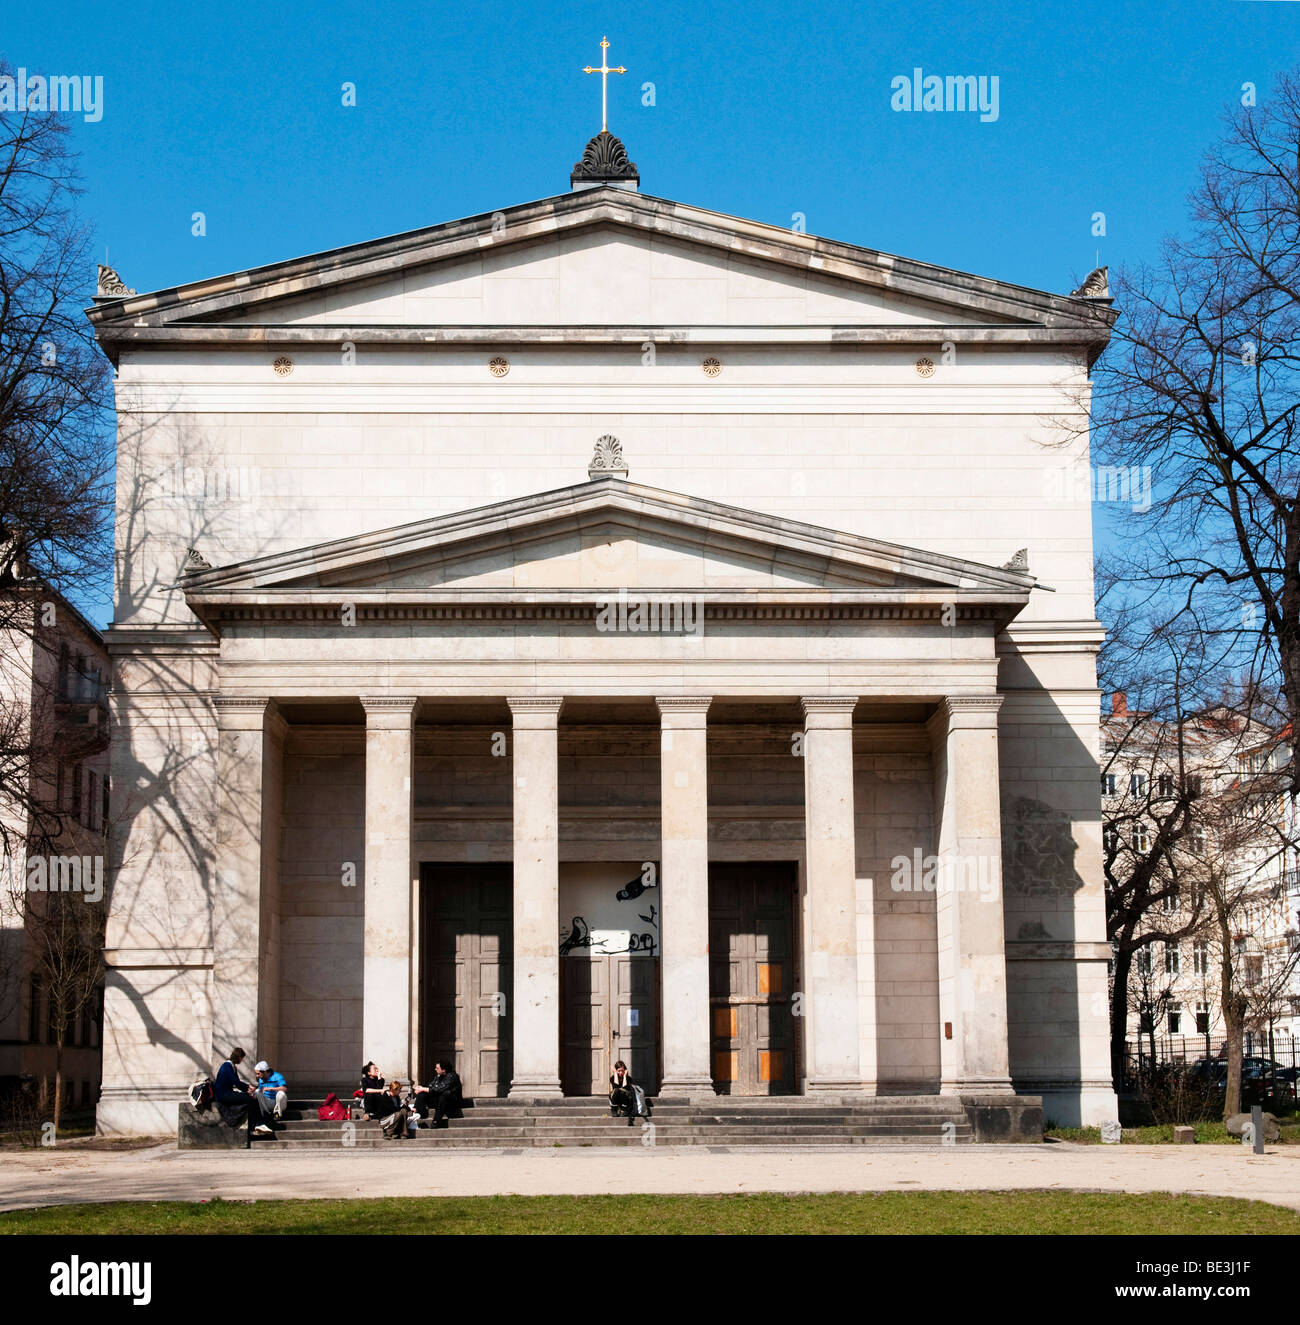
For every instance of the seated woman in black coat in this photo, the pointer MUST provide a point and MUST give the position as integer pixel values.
(376, 1102)
(621, 1099)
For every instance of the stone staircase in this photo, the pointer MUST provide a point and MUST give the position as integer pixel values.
(722, 1121)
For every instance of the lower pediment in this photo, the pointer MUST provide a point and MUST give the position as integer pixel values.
(576, 546)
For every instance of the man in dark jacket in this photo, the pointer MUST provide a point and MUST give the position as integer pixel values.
(442, 1094)
(235, 1102)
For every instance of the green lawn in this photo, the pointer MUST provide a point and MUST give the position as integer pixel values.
(878, 1212)
(1207, 1134)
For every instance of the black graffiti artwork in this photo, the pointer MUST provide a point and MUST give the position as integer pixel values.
(579, 937)
(641, 943)
(650, 919)
(633, 889)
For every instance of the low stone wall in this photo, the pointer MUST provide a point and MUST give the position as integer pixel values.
(206, 1131)
(1010, 1119)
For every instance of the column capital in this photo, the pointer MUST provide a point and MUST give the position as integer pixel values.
(828, 710)
(966, 711)
(248, 713)
(389, 712)
(683, 704)
(545, 708)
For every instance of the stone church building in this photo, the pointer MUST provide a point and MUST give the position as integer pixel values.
(605, 628)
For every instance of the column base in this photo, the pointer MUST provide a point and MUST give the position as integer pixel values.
(836, 1086)
(547, 1088)
(977, 1086)
(690, 1086)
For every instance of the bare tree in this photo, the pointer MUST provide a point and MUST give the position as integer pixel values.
(1200, 387)
(56, 433)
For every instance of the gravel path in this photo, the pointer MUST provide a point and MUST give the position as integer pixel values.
(57, 1177)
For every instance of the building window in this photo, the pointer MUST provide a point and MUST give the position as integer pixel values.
(1108, 784)
(1202, 1019)
(1144, 959)
(1169, 902)
(1175, 1019)
(1110, 839)
(1146, 1023)
(1196, 840)
(1254, 969)
(1137, 784)
(1193, 784)
(1201, 957)
(1140, 838)
(1165, 784)
(65, 660)
(1173, 959)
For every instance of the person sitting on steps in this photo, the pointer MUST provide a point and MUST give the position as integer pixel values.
(442, 1094)
(235, 1102)
(621, 1099)
(375, 1100)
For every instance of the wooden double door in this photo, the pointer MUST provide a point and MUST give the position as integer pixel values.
(609, 1010)
(752, 978)
(466, 914)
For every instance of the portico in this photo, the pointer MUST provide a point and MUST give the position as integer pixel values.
(752, 697)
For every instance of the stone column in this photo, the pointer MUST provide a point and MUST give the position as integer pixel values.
(831, 945)
(684, 894)
(536, 1009)
(247, 850)
(969, 902)
(386, 945)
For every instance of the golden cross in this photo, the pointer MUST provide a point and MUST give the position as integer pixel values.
(604, 71)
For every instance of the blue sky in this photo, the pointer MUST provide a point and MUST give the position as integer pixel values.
(760, 109)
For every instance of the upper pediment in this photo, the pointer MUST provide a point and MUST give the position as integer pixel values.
(603, 257)
(600, 538)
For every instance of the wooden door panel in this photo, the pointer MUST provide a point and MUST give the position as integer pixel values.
(467, 927)
(751, 919)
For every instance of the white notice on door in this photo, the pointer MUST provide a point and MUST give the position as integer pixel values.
(634, 1016)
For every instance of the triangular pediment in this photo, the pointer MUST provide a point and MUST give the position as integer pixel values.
(600, 258)
(601, 537)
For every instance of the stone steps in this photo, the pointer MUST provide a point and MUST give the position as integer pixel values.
(720, 1123)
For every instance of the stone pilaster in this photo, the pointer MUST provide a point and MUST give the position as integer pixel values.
(386, 960)
(831, 947)
(250, 734)
(684, 894)
(536, 1004)
(969, 902)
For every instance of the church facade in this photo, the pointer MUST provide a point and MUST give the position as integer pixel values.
(604, 628)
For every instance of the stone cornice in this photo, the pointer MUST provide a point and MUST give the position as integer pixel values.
(323, 607)
(388, 701)
(205, 305)
(694, 703)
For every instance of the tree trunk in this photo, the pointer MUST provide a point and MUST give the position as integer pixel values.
(1119, 1014)
(1234, 1018)
(58, 1080)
